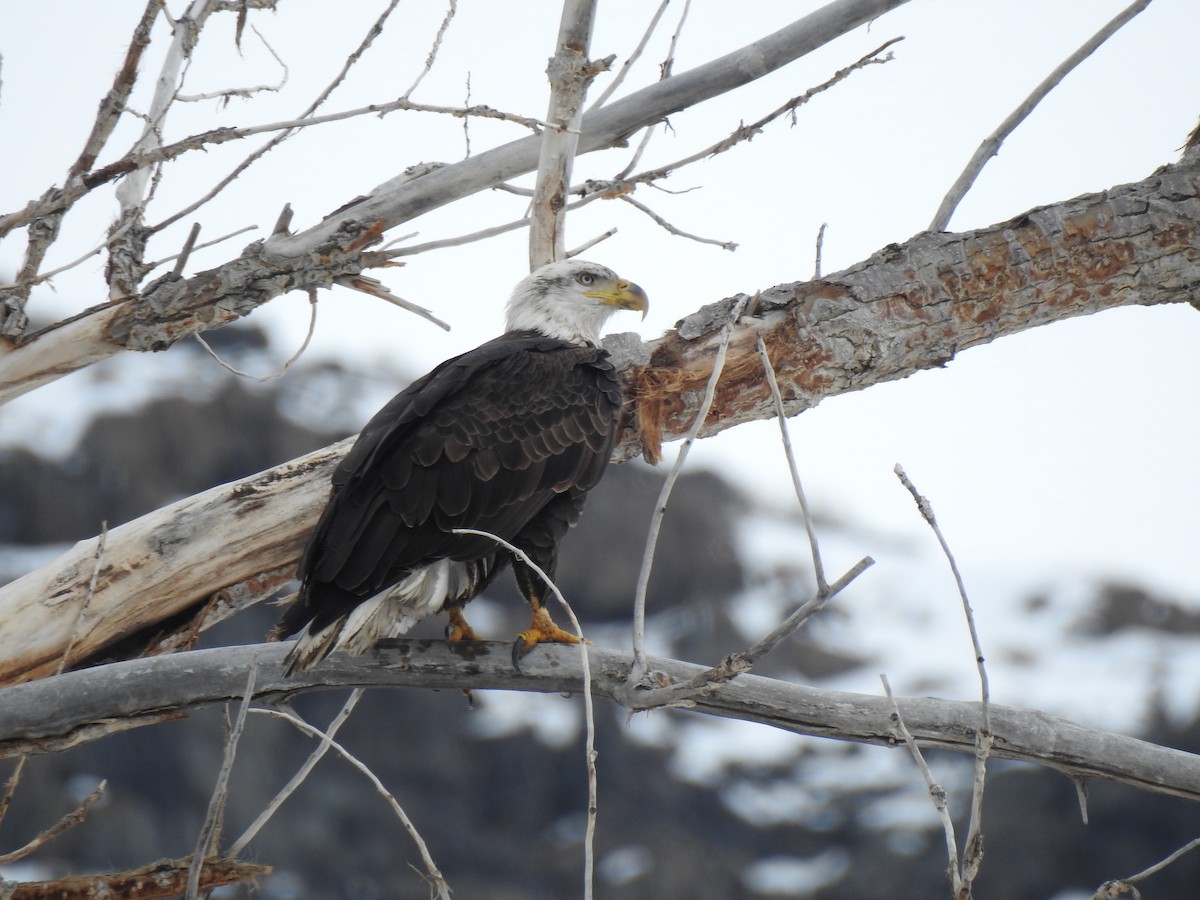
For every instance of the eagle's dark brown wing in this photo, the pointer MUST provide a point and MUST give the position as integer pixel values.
(507, 438)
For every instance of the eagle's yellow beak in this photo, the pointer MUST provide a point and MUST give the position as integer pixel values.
(623, 295)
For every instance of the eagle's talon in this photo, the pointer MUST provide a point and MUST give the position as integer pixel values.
(457, 629)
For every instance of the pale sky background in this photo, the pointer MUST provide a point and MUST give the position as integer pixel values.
(1061, 453)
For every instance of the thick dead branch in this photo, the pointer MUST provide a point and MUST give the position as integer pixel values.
(50, 711)
(163, 879)
(908, 307)
(916, 305)
(569, 73)
(161, 565)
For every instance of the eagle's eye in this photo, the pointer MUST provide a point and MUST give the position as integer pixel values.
(587, 279)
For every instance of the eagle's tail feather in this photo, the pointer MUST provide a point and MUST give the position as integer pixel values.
(312, 647)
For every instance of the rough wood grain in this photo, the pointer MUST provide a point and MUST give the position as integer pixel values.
(160, 565)
(915, 305)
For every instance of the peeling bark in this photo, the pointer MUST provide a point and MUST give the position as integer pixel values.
(163, 879)
(161, 565)
(916, 305)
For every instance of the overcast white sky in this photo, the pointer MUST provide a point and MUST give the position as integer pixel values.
(1068, 449)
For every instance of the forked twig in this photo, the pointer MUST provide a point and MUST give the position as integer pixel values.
(301, 774)
(678, 232)
(633, 58)
(684, 693)
(288, 363)
(366, 42)
(436, 879)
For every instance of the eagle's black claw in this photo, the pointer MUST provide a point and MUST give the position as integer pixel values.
(518, 650)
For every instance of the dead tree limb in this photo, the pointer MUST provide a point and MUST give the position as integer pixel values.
(47, 713)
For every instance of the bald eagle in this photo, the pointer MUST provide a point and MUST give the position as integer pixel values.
(507, 438)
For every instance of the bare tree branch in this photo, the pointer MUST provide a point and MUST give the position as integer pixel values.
(53, 711)
(337, 246)
(67, 822)
(1113, 889)
(991, 146)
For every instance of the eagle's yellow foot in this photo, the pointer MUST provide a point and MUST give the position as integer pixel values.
(542, 630)
(457, 628)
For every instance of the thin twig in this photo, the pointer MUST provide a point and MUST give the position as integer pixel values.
(639, 668)
(433, 51)
(376, 288)
(482, 234)
(820, 247)
(181, 259)
(301, 774)
(973, 851)
(936, 792)
(588, 245)
(589, 712)
(633, 58)
(151, 266)
(70, 820)
(216, 804)
(11, 787)
(312, 327)
(685, 693)
(991, 146)
(1116, 888)
(437, 880)
(724, 245)
(247, 92)
(366, 42)
(664, 68)
(781, 418)
(747, 132)
(467, 122)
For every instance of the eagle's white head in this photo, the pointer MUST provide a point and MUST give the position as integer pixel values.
(571, 300)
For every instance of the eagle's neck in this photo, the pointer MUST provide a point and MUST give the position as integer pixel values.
(578, 323)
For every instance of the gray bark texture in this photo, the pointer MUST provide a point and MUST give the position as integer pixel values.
(79, 706)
